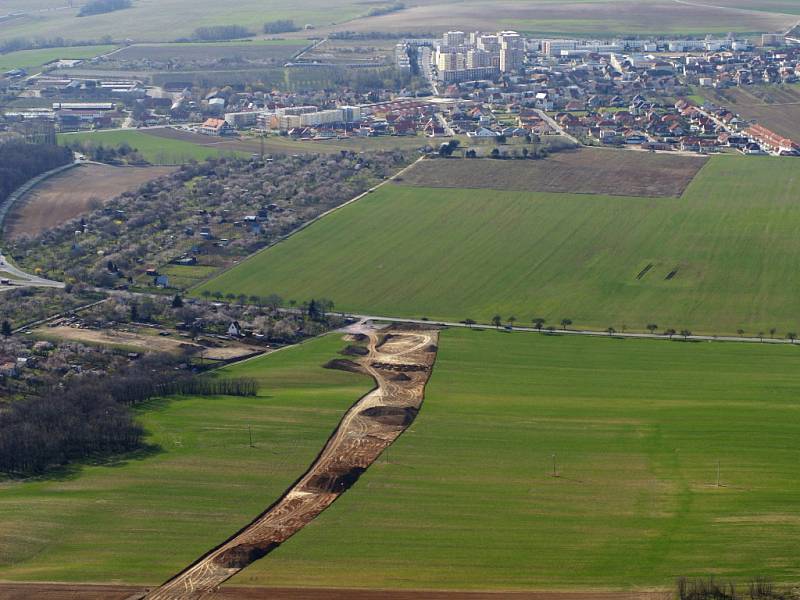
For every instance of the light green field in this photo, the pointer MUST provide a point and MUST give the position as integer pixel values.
(33, 59)
(167, 20)
(142, 519)
(467, 501)
(158, 151)
(456, 254)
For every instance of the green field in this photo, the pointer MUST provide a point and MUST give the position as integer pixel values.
(467, 501)
(731, 240)
(158, 151)
(141, 519)
(172, 20)
(33, 59)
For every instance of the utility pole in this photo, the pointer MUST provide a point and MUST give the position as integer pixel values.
(555, 473)
(718, 482)
(250, 431)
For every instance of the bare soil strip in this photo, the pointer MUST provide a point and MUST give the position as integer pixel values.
(55, 591)
(400, 362)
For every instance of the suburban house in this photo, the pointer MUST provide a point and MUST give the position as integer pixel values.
(234, 329)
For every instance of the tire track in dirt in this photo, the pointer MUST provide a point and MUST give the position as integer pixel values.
(399, 359)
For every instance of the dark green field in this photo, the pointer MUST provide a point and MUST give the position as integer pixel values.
(141, 519)
(721, 257)
(467, 500)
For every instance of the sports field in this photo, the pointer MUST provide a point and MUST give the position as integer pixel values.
(158, 151)
(141, 519)
(467, 499)
(719, 258)
(249, 50)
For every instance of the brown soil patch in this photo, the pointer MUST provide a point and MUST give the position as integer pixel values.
(143, 342)
(74, 193)
(45, 591)
(366, 430)
(584, 171)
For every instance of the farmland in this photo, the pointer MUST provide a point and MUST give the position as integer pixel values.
(33, 59)
(467, 499)
(131, 521)
(587, 171)
(73, 193)
(585, 17)
(774, 107)
(166, 21)
(582, 17)
(155, 150)
(719, 258)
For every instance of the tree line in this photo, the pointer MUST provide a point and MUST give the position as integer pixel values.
(98, 7)
(20, 161)
(280, 26)
(90, 417)
(220, 32)
(711, 589)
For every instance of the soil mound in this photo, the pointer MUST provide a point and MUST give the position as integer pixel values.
(395, 416)
(402, 368)
(242, 555)
(353, 350)
(400, 377)
(335, 481)
(342, 364)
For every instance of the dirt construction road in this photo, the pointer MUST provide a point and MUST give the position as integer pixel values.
(400, 362)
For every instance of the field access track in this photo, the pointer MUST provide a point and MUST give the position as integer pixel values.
(400, 362)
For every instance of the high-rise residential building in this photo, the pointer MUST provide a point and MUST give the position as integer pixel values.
(512, 51)
(511, 59)
(489, 43)
(478, 58)
(453, 39)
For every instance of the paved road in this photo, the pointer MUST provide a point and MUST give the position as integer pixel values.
(20, 278)
(588, 332)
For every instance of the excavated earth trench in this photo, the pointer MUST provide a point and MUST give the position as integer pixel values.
(400, 362)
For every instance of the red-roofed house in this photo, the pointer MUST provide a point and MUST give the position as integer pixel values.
(215, 127)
